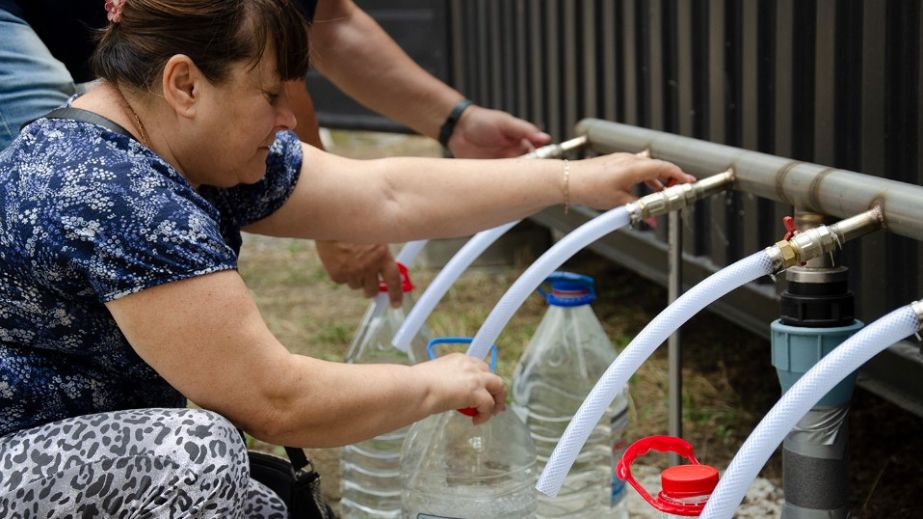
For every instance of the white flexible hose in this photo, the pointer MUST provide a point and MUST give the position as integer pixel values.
(410, 251)
(443, 281)
(631, 358)
(798, 400)
(538, 271)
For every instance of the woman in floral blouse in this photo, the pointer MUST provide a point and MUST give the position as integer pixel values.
(119, 295)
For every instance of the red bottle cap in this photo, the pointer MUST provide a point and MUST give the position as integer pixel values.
(688, 480)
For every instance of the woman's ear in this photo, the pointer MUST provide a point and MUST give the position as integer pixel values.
(182, 84)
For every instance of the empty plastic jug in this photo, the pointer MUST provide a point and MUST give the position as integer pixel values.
(370, 470)
(454, 469)
(564, 359)
(684, 488)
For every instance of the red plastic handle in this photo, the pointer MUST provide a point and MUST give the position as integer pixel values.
(642, 447)
(790, 229)
(468, 411)
(406, 284)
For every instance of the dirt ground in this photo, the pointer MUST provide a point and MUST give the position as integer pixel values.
(729, 382)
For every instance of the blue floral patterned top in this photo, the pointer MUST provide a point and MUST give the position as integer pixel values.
(88, 215)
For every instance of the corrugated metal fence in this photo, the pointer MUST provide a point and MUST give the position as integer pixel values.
(832, 82)
(835, 82)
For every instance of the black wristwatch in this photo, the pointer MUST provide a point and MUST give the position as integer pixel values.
(445, 132)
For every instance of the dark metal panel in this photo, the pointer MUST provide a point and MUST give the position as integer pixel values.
(873, 138)
(783, 68)
(685, 34)
(457, 76)
(522, 58)
(919, 127)
(610, 58)
(717, 119)
(420, 27)
(630, 65)
(654, 59)
(588, 87)
(494, 53)
(482, 57)
(507, 34)
(824, 82)
(569, 65)
(552, 45)
(655, 89)
(749, 124)
(537, 62)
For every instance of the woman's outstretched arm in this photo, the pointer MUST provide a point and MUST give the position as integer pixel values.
(206, 337)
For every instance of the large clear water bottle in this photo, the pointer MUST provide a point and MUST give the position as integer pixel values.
(684, 489)
(454, 469)
(370, 482)
(567, 355)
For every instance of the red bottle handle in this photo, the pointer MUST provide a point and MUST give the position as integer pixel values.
(642, 447)
(406, 283)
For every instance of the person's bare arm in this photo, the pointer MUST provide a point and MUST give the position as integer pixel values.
(205, 336)
(350, 49)
(402, 199)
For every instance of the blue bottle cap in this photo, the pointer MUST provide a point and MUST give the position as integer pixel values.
(569, 289)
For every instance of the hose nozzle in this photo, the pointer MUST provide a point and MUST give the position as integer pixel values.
(552, 151)
(678, 197)
(825, 239)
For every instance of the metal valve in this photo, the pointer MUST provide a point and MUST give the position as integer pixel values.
(678, 197)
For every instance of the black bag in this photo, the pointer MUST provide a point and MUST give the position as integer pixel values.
(296, 482)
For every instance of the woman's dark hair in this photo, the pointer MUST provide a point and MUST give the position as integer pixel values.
(213, 33)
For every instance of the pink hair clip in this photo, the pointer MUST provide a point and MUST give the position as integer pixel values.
(114, 10)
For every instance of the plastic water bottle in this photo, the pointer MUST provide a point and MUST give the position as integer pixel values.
(454, 469)
(370, 482)
(567, 355)
(684, 488)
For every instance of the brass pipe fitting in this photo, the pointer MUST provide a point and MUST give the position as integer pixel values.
(553, 151)
(825, 239)
(678, 197)
(917, 307)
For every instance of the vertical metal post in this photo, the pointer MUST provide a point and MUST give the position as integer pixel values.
(675, 354)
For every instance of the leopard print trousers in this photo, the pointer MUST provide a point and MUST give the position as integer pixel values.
(145, 463)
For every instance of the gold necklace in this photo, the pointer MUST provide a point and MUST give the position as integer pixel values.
(137, 119)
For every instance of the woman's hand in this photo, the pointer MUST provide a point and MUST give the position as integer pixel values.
(592, 180)
(457, 381)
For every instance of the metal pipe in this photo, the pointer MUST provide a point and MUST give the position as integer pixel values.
(674, 344)
(812, 187)
(551, 151)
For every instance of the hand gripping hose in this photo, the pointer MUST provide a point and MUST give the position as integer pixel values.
(539, 271)
(631, 358)
(804, 394)
(443, 281)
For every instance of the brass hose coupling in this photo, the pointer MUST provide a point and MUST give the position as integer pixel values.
(553, 151)
(825, 239)
(678, 197)
(917, 307)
